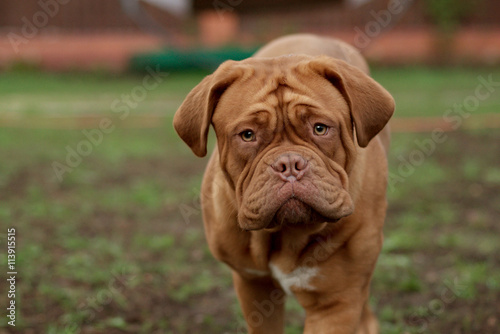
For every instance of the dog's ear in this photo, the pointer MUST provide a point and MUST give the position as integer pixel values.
(371, 105)
(193, 118)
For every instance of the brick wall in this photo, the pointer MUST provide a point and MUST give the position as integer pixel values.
(319, 15)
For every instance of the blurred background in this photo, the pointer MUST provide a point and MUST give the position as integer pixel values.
(104, 196)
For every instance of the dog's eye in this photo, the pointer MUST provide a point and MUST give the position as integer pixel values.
(320, 129)
(247, 135)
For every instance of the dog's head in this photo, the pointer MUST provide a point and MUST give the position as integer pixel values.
(286, 130)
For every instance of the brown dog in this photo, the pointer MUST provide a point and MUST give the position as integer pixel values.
(294, 194)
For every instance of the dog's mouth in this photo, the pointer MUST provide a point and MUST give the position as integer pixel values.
(276, 199)
(294, 212)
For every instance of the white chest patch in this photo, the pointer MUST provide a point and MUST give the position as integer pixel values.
(300, 277)
(256, 272)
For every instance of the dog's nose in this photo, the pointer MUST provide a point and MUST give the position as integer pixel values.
(290, 166)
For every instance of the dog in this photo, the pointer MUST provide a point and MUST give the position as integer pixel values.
(294, 194)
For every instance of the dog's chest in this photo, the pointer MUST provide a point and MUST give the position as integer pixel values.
(299, 278)
(282, 250)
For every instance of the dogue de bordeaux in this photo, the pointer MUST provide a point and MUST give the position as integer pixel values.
(294, 194)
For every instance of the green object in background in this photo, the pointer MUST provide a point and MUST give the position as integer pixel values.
(181, 60)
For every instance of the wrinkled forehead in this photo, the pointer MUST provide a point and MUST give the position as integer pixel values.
(278, 85)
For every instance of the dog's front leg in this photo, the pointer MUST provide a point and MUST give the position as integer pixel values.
(262, 304)
(346, 315)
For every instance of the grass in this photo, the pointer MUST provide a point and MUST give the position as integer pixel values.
(419, 91)
(431, 92)
(118, 245)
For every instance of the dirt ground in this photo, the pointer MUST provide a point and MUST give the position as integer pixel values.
(117, 245)
(436, 275)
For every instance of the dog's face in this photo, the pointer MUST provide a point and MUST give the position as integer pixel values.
(285, 134)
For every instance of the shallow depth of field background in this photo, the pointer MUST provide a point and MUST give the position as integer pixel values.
(104, 195)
